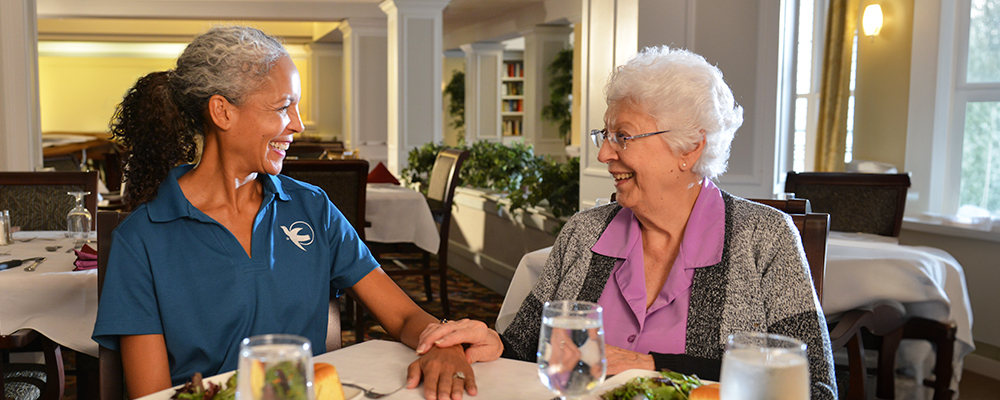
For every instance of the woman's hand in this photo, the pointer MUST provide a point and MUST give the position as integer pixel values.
(445, 373)
(484, 343)
(620, 360)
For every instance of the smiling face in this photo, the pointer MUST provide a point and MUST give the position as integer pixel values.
(268, 118)
(647, 171)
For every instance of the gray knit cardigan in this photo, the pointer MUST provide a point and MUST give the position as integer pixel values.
(762, 284)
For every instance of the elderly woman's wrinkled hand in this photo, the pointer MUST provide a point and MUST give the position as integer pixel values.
(445, 372)
(620, 360)
(483, 343)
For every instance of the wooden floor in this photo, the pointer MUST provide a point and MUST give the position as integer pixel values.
(978, 387)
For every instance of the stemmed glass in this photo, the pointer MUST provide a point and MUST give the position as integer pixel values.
(78, 220)
(275, 367)
(759, 366)
(571, 357)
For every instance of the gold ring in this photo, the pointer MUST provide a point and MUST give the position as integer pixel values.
(459, 375)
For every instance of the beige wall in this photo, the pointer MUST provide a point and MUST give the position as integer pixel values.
(883, 86)
(79, 94)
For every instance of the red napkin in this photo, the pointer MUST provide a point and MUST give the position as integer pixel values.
(381, 174)
(86, 258)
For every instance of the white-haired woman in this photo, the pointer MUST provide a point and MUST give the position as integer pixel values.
(677, 264)
(225, 249)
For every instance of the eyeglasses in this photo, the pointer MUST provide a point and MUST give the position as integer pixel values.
(617, 139)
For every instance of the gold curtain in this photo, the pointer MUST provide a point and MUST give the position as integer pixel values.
(831, 134)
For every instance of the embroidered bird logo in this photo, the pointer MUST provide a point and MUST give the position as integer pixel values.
(296, 236)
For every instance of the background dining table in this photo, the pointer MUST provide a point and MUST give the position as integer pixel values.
(53, 299)
(399, 215)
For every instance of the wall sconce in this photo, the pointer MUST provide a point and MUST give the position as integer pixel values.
(871, 21)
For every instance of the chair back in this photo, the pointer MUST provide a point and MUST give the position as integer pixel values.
(856, 202)
(38, 201)
(344, 181)
(814, 228)
(109, 362)
(441, 188)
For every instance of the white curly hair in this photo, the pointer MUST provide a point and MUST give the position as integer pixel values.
(681, 87)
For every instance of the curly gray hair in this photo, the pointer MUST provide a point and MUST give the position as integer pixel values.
(231, 61)
(679, 86)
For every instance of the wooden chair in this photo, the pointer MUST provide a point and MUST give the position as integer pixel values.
(110, 384)
(440, 194)
(345, 183)
(38, 201)
(21, 381)
(856, 202)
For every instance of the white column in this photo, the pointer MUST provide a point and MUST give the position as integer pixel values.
(482, 91)
(609, 37)
(365, 88)
(415, 52)
(541, 45)
(20, 121)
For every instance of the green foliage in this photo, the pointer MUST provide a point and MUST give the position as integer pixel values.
(559, 109)
(455, 90)
(527, 180)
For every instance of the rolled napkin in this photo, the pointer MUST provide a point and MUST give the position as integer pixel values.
(381, 174)
(86, 258)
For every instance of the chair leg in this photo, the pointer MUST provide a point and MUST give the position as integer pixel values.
(856, 368)
(427, 278)
(55, 381)
(885, 386)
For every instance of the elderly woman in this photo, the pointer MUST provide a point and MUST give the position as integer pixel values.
(677, 264)
(225, 249)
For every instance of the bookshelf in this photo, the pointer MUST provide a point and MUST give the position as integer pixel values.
(512, 95)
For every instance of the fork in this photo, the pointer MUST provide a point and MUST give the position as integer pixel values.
(371, 393)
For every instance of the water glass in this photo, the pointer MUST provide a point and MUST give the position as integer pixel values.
(78, 219)
(275, 367)
(571, 356)
(764, 366)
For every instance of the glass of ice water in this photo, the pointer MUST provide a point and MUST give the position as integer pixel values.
(275, 367)
(571, 358)
(78, 219)
(764, 366)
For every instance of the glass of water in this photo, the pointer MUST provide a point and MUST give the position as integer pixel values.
(275, 367)
(78, 219)
(764, 366)
(571, 358)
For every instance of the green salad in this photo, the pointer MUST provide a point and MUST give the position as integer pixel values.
(198, 389)
(667, 386)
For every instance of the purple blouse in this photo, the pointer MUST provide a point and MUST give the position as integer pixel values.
(662, 327)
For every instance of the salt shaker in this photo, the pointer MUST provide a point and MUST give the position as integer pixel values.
(5, 237)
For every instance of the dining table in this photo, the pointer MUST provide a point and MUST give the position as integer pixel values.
(53, 300)
(398, 214)
(380, 366)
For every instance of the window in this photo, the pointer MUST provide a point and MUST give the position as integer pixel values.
(977, 107)
(809, 69)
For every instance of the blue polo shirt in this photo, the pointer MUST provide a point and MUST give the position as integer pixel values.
(175, 271)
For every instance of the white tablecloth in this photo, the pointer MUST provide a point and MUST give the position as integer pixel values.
(861, 270)
(399, 215)
(381, 365)
(53, 300)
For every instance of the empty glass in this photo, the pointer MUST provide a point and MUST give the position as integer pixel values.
(78, 219)
(764, 366)
(571, 355)
(275, 367)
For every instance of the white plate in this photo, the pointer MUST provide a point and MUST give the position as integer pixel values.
(625, 376)
(352, 393)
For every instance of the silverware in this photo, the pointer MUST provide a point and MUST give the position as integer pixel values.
(34, 264)
(371, 393)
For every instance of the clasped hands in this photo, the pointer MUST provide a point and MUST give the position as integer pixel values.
(445, 364)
